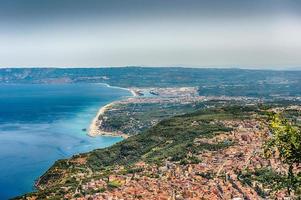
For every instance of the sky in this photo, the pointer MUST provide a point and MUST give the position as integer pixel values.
(192, 33)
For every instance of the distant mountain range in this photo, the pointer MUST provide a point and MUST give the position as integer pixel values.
(210, 81)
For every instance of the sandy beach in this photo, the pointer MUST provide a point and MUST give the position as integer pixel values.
(94, 129)
(131, 90)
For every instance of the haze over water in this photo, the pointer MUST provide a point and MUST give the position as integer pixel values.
(42, 123)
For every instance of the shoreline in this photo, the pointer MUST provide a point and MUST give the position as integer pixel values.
(131, 90)
(94, 128)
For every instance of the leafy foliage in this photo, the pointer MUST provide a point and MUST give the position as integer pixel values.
(285, 144)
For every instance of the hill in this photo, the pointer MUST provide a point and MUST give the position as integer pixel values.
(213, 153)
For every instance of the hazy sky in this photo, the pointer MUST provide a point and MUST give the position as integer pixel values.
(230, 33)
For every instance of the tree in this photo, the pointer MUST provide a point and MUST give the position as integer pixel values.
(285, 144)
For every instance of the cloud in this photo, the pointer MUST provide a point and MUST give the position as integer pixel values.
(155, 34)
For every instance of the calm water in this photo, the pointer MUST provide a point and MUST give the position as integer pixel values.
(42, 123)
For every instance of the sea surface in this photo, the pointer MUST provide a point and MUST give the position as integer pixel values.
(41, 123)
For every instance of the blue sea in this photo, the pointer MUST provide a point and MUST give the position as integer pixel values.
(41, 123)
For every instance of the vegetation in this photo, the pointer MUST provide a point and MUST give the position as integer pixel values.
(285, 144)
(171, 138)
(134, 118)
(114, 184)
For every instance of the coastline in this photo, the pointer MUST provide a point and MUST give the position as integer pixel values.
(94, 128)
(131, 90)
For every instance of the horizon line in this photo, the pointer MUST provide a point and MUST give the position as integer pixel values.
(144, 66)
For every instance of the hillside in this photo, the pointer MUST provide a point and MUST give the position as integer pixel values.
(212, 154)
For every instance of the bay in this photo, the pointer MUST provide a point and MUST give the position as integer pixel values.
(41, 123)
